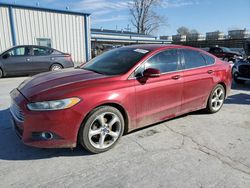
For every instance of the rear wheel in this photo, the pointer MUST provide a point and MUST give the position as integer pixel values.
(1, 73)
(102, 129)
(216, 99)
(55, 67)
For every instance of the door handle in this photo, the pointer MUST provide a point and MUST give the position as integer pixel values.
(210, 71)
(27, 59)
(176, 77)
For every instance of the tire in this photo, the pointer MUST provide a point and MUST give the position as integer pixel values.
(216, 99)
(101, 130)
(56, 67)
(1, 73)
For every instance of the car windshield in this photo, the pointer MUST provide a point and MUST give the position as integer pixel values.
(226, 50)
(115, 62)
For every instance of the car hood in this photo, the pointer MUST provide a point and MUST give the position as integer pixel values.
(57, 81)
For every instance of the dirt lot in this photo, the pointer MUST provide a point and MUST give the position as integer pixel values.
(195, 150)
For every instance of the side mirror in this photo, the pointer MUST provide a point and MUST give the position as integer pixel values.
(151, 73)
(5, 56)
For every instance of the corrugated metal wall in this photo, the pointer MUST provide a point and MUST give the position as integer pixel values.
(66, 31)
(5, 32)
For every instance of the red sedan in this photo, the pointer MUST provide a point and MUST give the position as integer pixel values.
(116, 92)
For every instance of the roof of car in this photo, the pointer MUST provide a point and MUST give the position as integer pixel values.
(30, 46)
(152, 47)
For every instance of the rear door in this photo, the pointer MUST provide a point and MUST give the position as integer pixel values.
(17, 61)
(197, 80)
(41, 59)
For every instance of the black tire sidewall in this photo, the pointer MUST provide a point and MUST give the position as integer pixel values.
(84, 130)
(209, 104)
(1, 73)
(55, 64)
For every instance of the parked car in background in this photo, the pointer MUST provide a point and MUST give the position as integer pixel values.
(241, 51)
(225, 53)
(31, 59)
(119, 91)
(241, 71)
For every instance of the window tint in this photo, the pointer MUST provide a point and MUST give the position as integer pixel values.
(41, 51)
(166, 61)
(193, 59)
(115, 62)
(20, 51)
(209, 60)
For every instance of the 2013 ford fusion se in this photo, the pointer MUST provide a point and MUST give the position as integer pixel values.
(116, 92)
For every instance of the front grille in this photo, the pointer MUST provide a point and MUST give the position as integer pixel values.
(16, 111)
(244, 70)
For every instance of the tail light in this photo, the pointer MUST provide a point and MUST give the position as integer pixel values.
(68, 57)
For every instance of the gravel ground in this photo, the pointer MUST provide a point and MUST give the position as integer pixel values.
(195, 150)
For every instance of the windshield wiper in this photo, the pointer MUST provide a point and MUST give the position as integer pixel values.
(93, 71)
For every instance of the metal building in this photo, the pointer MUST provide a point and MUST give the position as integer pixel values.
(106, 39)
(216, 35)
(64, 30)
(239, 34)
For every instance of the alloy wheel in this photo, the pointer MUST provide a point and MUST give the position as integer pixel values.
(217, 100)
(104, 130)
(56, 67)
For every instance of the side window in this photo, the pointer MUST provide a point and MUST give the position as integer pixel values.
(209, 60)
(41, 51)
(193, 59)
(166, 61)
(19, 51)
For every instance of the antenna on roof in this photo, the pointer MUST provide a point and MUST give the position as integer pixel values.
(67, 7)
(37, 4)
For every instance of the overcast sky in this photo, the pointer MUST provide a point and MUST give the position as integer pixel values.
(202, 15)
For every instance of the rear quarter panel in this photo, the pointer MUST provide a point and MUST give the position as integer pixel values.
(222, 74)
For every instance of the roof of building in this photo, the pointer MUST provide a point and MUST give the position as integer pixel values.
(118, 32)
(64, 11)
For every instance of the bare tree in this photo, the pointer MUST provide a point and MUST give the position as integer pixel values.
(193, 31)
(144, 19)
(183, 30)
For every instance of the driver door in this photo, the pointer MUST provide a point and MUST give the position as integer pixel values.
(159, 98)
(16, 60)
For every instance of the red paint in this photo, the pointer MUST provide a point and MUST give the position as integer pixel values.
(145, 101)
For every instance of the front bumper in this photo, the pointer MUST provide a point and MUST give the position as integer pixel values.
(30, 126)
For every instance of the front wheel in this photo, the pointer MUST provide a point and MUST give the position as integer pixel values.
(102, 129)
(216, 99)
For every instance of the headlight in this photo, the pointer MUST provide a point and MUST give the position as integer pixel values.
(53, 105)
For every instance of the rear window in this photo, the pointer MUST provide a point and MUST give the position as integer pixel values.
(209, 60)
(37, 51)
(193, 59)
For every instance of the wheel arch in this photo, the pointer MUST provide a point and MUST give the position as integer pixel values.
(224, 86)
(118, 107)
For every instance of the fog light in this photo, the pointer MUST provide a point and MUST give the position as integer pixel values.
(47, 135)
